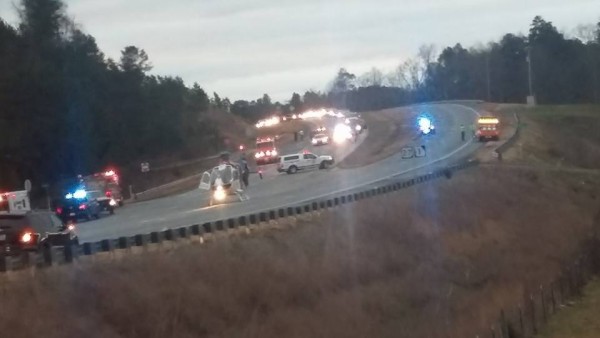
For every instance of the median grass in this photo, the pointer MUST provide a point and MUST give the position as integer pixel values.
(437, 259)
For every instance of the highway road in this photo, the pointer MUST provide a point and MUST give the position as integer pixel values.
(279, 190)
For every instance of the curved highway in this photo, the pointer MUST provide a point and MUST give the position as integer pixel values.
(279, 190)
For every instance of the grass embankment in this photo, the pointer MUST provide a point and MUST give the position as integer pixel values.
(581, 319)
(388, 133)
(439, 258)
(561, 136)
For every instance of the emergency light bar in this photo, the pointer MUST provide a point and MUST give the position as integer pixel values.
(488, 120)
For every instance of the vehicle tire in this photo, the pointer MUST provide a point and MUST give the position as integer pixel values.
(121, 203)
(97, 215)
(87, 216)
(323, 165)
(480, 138)
(292, 170)
(111, 211)
(74, 241)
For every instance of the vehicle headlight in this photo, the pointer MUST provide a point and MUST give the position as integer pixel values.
(219, 193)
(274, 153)
(268, 153)
(314, 140)
(112, 202)
(358, 127)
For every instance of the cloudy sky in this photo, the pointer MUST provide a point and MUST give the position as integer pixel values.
(243, 48)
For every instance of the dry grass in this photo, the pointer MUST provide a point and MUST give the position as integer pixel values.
(557, 135)
(579, 320)
(438, 259)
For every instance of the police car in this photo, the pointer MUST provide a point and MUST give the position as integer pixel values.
(292, 163)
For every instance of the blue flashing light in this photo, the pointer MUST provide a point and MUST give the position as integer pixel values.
(425, 125)
(79, 194)
(69, 196)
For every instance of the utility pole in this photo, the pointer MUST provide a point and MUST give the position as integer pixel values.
(487, 69)
(530, 98)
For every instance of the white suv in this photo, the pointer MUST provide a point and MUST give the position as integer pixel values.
(302, 161)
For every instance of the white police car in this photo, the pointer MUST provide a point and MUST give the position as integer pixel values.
(292, 163)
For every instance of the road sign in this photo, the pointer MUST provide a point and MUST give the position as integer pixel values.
(411, 152)
(28, 185)
(408, 152)
(145, 166)
(420, 151)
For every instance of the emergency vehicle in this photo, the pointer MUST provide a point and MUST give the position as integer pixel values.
(266, 152)
(488, 128)
(14, 202)
(107, 182)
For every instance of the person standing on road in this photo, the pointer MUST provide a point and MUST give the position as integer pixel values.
(462, 132)
(245, 171)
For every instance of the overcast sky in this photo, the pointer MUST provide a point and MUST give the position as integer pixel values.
(243, 48)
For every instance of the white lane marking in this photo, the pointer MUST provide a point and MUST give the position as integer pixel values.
(392, 175)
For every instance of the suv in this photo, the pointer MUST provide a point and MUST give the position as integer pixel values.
(303, 161)
(32, 231)
(77, 208)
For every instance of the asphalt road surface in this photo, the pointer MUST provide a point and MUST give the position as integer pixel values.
(279, 190)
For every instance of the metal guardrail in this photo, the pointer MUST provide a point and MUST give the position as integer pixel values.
(69, 254)
(511, 140)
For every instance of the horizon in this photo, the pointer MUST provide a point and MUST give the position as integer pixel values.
(242, 51)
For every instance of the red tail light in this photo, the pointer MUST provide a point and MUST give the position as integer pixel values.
(59, 210)
(82, 207)
(108, 193)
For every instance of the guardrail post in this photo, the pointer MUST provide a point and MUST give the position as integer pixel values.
(155, 237)
(106, 245)
(231, 223)
(140, 240)
(272, 215)
(89, 248)
(336, 201)
(262, 217)
(69, 252)
(243, 221)
(4, 266)
(281, 213)
(329, 203)
(298, 211)
(343, 200)
(219, 226)
(182, 232)
(290, 211)
(253, 219)
(123, 242)
(350, 198)
(315, 206)
(169, 235)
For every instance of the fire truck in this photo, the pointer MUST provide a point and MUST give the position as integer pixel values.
(266, 152)
(107, 182)
(488, 128)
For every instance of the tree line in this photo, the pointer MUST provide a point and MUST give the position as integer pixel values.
(67, 109)
(563, 70)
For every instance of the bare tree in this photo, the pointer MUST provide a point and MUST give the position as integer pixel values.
(585, 33)
(373, 77)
